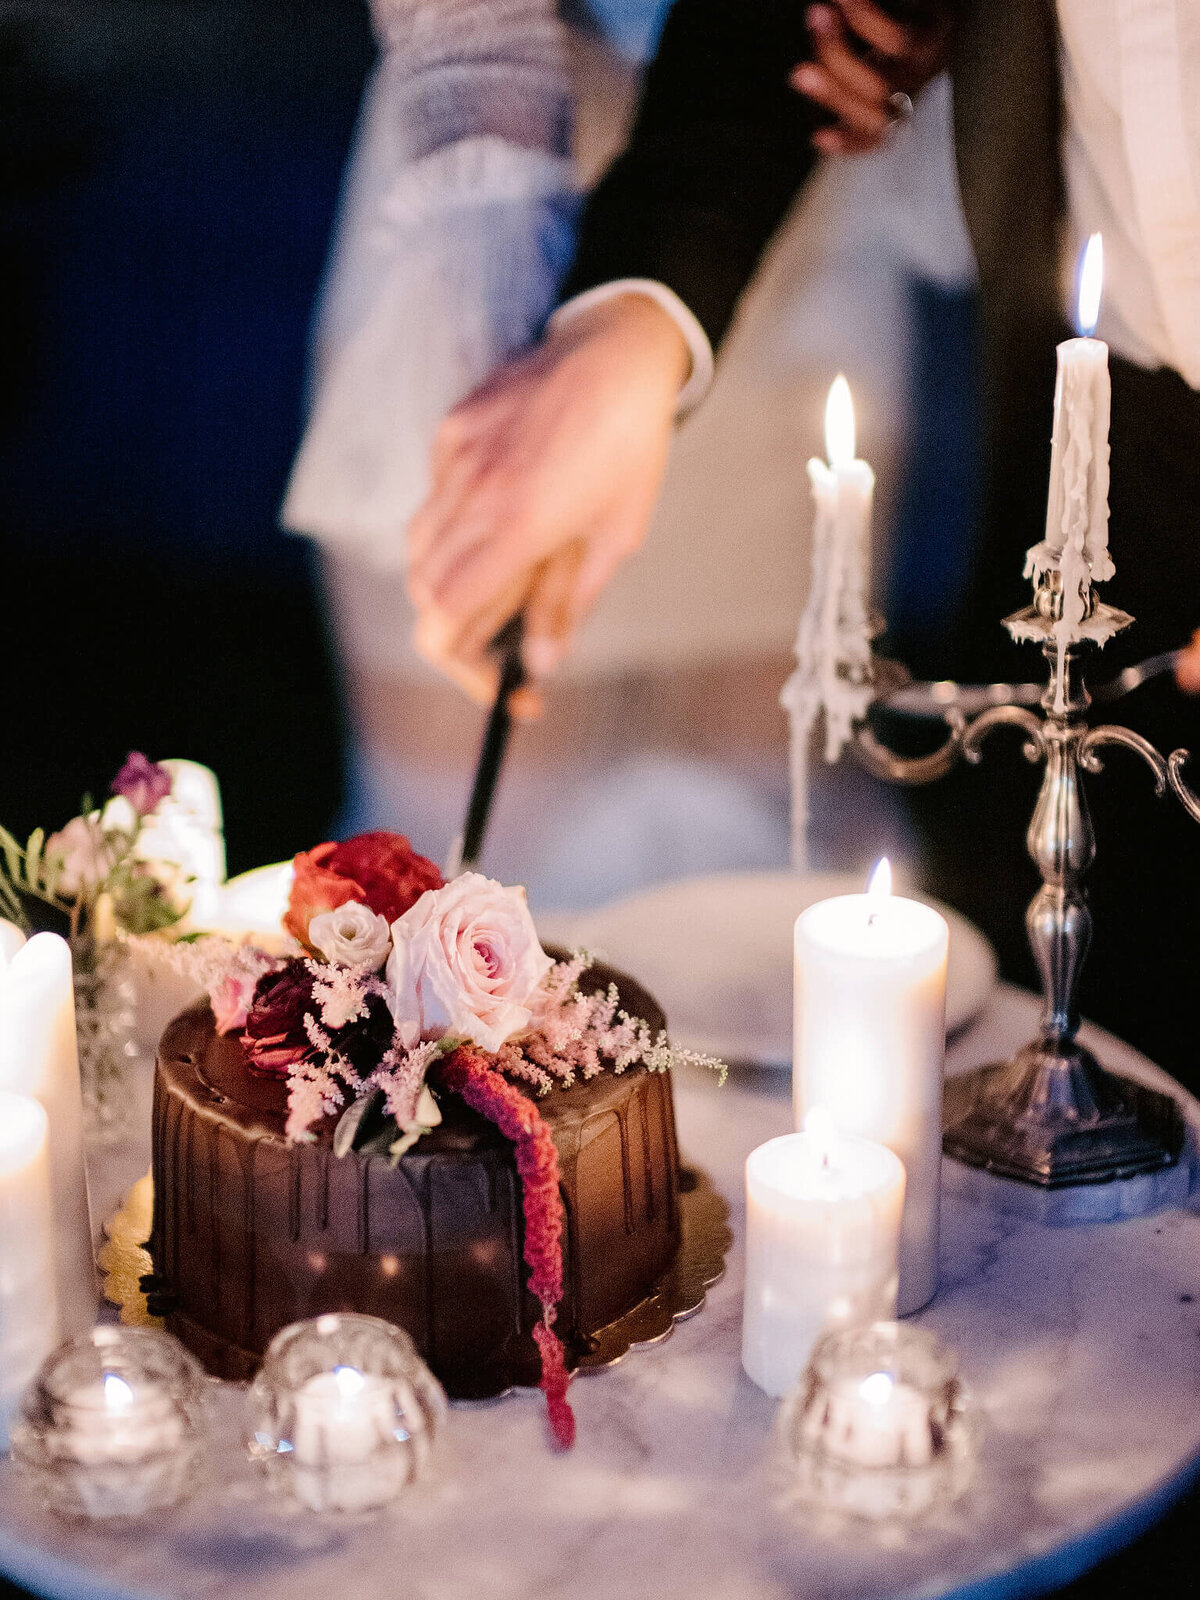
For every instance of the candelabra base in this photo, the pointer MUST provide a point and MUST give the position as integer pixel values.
(1054, 1118)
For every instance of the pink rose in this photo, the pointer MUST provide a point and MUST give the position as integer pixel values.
(230, 997)
(466, 961)
(83, 856)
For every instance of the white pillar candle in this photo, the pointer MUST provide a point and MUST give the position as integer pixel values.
(833, 641)
(822, 1231)
(870, 1041)
(38, 1056)
(28, 1313)
(187, 830)
(344, 1423)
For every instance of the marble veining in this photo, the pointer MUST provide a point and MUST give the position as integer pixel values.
(1081, 1343)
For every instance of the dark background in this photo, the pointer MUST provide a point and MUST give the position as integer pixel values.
(168, 173)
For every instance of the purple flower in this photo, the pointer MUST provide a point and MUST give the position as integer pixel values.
(143, 783)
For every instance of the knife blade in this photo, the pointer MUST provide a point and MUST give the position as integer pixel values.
(506, 646)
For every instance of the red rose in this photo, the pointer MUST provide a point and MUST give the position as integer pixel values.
(380, 870)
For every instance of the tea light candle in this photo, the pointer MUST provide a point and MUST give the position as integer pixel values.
(39, 1057)
(878, 1421)
(28, 1312)
(870, 1043)
(343, 1418)
(822, 1231)
(109, 1422)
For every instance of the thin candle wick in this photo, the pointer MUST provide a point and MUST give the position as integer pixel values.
(872, 918)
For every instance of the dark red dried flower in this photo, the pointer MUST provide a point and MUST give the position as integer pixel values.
(274, 1035)
(472, 1075)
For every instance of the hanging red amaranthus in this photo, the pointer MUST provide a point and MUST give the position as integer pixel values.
(472, 1075)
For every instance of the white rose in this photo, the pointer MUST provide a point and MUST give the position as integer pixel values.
(352, 934)
(466, 961)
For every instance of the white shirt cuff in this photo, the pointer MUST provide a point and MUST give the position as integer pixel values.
(700, 378)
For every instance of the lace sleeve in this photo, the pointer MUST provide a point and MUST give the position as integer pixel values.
(456, 226)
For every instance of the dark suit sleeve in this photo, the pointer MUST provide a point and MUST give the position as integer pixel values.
(719, 147)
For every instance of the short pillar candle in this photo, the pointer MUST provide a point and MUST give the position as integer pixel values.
(822, 1231)
(870, 1044)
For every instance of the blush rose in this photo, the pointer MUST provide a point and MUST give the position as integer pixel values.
(466, 962)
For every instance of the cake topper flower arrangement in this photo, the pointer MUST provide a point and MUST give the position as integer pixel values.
(102, 880)
(91, 870)
(406, 987)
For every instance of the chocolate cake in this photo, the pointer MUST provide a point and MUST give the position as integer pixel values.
(252, 1232)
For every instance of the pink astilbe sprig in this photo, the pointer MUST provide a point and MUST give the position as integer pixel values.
(313, 1093)
(581, 1035)
(472, 1075)
(401, 1076)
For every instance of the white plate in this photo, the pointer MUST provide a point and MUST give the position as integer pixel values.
(717, 953)
(255, 901)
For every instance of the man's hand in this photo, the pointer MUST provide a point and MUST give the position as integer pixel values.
(544, 481)
(862, 59)
(1187, 668)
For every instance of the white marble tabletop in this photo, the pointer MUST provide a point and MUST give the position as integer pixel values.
(1082, 1345)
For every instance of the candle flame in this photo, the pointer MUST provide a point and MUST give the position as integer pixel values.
(839, 423)
(820, 1131)
(876, 1390)
(349, 1380)
(118, 1396)
(879, 884)
(1091, 281)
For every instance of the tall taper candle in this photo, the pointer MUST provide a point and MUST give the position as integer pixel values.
(870, 1044)
(1076, 542)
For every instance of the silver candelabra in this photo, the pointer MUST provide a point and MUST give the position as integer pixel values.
(1051, 1115)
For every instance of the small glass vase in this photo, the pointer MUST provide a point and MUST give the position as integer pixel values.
(106, 1029)
(345, 1413)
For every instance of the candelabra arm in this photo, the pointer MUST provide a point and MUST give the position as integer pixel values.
(1187, 797)
(1091, 762)
(1004, 717)
(881, 762)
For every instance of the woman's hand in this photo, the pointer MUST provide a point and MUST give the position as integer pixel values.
(544, 481)
(863, 60)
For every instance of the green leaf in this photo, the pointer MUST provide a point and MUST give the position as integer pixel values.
(406, 1141)
(33, 858)
(11, 903)
(351, 1120)
(13, 855)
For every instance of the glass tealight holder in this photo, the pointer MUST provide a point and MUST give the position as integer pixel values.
(345, 1413)
(879, 1424)
(114, 1425)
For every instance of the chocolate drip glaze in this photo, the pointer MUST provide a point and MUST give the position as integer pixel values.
(251, 1233)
